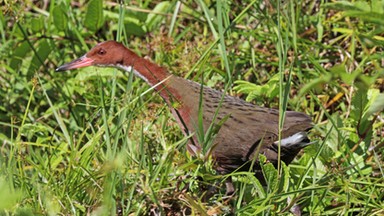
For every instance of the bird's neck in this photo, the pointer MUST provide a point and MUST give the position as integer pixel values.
(170, 87)
(157, 77)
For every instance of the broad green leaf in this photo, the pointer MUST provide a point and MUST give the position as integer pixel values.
(134, 29)
(364, 104)
(17, 32)
(129, 17)
(367, 16)
(327, 151)
(341, 6)
(132, 22)
(43, 51)
(271, 176)
(316, 84)
(270, 173)
(368, 11)
(37, 24)
(60, 19)
(94, 17)
(19, 54)
(376, 102)
(359, 101)
(350, 77)
(340, 71)
(362, 6)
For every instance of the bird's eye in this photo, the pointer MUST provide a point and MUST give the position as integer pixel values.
(101, 52)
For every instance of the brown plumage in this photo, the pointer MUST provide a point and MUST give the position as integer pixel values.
(246, 129)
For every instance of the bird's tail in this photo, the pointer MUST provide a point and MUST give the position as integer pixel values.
(298, 140)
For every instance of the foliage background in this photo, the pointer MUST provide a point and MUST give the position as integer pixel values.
(98, 141)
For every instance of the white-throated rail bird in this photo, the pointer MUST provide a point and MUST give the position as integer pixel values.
(245, 129)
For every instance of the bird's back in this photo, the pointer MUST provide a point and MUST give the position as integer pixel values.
(245, 128)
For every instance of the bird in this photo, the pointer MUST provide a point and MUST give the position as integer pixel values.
(241, 130)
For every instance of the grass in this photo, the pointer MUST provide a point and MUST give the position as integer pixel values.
(98, 141)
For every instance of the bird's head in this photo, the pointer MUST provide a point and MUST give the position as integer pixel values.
(109, 53)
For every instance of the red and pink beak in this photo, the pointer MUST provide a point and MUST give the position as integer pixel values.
(83, 61)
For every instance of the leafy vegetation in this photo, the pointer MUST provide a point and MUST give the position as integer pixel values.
(101, 142)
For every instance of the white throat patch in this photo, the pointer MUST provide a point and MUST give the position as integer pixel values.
(130, 69)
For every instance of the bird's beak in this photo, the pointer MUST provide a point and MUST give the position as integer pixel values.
(78, 63)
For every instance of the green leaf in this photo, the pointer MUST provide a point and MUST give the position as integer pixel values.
(271, 176)
(367, 16)
(366, 103)
(284, 180)
(60, 19)
(37, 24)
(38, 59)
(156, 17)
(339, 71)
(245, 87)
(316, 84)
(8, 197)
(341, 6)
(133, 22)
(18, 55)
(359, 101)
(134, 29)
(94, 18)
(370, 12)
(269, 90)
(376, 102)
